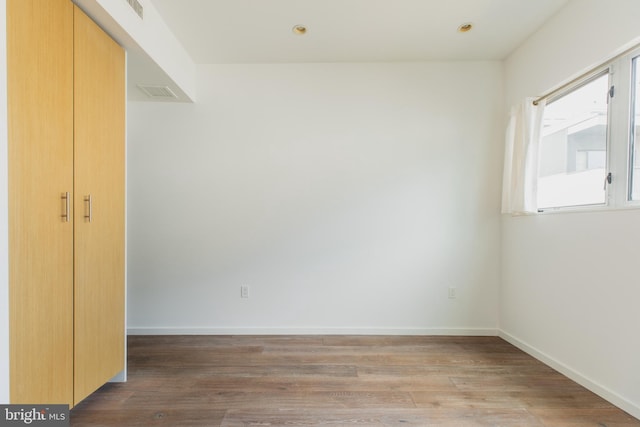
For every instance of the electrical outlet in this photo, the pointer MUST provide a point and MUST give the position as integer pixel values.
(244, 291)
(452, 292)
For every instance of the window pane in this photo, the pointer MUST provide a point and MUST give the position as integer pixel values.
(635, 135)
(573, 147)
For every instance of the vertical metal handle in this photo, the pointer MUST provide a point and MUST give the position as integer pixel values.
(89, 212)
(66, 216)
(607, 180)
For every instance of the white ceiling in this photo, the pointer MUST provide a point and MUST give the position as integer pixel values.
(249, 31)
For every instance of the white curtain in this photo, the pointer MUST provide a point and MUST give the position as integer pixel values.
(521, 158)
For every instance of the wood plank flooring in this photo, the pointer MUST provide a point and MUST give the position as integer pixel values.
(340, 381)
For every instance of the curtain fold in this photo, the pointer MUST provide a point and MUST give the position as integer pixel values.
(520, 176)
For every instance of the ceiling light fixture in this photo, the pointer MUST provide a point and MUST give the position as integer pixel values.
(299, 30)
(466, 27)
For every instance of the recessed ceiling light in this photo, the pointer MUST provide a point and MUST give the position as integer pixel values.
(299, 30)
(466, 27)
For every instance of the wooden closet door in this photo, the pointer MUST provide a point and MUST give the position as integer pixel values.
(40, 122)
(99, 158)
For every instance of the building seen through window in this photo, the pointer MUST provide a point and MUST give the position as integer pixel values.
(573, 147)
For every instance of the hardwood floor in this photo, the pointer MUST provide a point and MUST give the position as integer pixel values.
(340, 380)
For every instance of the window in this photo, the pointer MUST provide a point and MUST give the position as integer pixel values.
(573, 147)
(589, 148)
(634, 150)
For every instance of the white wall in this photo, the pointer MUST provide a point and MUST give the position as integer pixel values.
(4, 221)
(349, 197)
(570, 291)
(581, 35)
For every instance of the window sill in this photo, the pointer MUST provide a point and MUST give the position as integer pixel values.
(587, 209)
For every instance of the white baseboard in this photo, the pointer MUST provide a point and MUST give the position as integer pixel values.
(605, 393)
(310, 331)
(120, 377)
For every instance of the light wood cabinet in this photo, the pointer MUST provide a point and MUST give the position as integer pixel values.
(66, 202)
(99, 206)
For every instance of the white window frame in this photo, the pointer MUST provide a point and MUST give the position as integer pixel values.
(619, 128)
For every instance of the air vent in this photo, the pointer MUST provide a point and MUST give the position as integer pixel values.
(158, 92)
(137, 7)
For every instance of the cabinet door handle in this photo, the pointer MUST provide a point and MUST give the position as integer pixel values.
(89, 210)
(67, 207)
